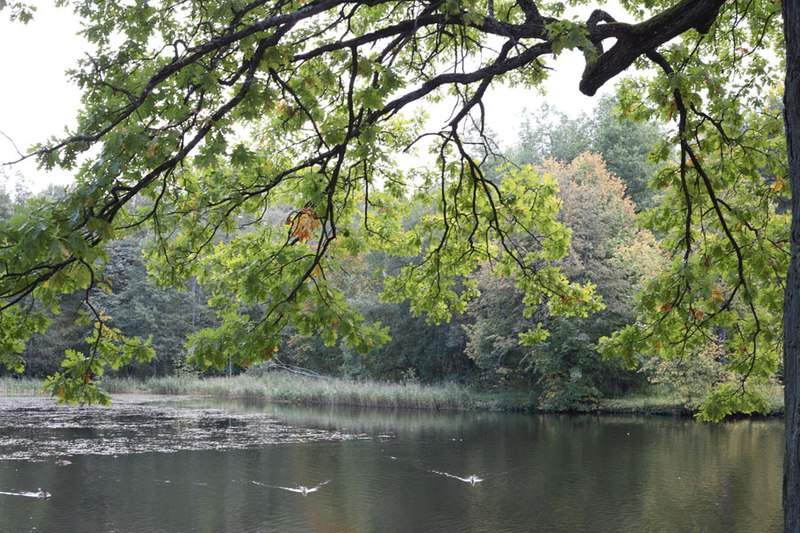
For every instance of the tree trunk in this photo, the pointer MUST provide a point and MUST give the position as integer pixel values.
(791, 307)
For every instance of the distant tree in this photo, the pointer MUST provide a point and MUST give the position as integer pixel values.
(496, 321)
(6, 204)
(550, 133)
(141, 309)
(623, 143)
(416, 349)
(44, 351)
(607, 250)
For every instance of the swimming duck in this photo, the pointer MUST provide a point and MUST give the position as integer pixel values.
(300, 489)
(472, 479)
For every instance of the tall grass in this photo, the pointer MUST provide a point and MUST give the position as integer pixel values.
(282, 387)
(661, 402)
(285, 387)
(658, 404)
(20, 387)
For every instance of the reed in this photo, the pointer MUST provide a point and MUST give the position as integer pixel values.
(289, 388)
(282, 387)
(644, 405)
(20, 386)
(659, 402)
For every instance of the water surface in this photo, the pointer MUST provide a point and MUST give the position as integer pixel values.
(162, 464)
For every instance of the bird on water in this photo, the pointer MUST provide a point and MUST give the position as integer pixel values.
(300, 489)
(471, 479)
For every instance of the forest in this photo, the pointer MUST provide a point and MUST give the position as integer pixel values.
(602, 167)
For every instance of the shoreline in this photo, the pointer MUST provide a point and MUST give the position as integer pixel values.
(285, 388)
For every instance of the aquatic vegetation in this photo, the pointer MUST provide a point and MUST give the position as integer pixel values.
(287, 388)
(281, 387)
(17, 387)
(37, 429)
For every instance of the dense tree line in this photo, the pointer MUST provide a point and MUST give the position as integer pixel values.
(480, 347)
(203, 147)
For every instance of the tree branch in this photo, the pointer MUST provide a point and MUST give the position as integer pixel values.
(635, 40)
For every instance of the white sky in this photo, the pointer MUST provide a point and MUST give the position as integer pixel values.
(37, 102)
(35, 99)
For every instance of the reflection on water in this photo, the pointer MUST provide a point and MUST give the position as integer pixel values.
(176, 465)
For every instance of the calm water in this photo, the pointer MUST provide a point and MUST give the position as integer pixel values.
(149, 465)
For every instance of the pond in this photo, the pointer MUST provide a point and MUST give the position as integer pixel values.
(199, 465)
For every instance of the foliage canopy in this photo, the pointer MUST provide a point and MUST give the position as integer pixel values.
(201, 120)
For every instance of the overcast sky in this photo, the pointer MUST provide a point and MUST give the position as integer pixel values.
(36, 101)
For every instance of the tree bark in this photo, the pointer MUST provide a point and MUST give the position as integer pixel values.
(791, 309)
(635, 40)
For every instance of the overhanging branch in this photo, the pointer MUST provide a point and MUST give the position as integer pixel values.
(636, 40)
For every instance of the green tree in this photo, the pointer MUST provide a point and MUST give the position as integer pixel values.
(497, 319)
(624, 144)
(139, 308)
(44, 351)
(318, 91)
(6, 204)
(606, 250)
(550, 133)
(604, 235)
(416, 349)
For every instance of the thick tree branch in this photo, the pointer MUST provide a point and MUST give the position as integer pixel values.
(635, 40)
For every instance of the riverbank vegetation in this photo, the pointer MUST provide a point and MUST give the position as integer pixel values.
(479, 353)
(283, 387)
(288, 388)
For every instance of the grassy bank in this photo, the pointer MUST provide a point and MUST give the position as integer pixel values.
(659, 403)
(280, 387)
(289, 388)
(20, 387)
